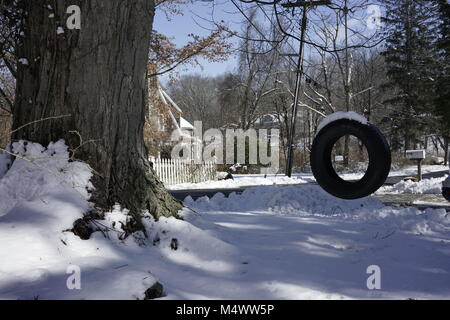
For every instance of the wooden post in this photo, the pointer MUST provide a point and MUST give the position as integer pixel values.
(306, 5)
(419, 169)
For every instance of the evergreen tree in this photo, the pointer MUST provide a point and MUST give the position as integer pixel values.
(410, 52)
(443, 82)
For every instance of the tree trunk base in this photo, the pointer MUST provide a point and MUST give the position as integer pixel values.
(137, 189)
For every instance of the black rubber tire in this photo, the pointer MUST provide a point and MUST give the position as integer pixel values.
(446, 193)
(379, 159)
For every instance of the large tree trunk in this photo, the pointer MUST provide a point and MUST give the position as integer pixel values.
(97, 75)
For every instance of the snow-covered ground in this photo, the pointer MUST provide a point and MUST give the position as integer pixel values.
(38, 201)
(412, 170)
(246, 180)
(302, 243)
(271, 242)
(426, 186)
(407, 171)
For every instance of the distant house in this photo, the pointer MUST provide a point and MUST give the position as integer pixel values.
(164, 117)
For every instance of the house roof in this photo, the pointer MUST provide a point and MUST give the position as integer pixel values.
(168, 100)
(172, 109)
(184, 124)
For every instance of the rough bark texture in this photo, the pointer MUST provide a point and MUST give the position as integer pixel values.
(97, 75)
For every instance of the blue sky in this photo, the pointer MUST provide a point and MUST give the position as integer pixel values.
(180, 26)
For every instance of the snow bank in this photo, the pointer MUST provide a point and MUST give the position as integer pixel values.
(42, 196)
(351, 115)
(303, 201)
(39, 173)
(426, 186)
(301, 243)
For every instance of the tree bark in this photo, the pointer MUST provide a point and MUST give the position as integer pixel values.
(98, 76)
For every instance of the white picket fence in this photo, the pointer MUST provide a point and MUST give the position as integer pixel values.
(173, 171)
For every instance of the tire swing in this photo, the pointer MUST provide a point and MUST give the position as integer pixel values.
(377, 148)
(446, 193)
(446, 189)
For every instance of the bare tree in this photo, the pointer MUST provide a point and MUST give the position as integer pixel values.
(256, 70)
(197, 97)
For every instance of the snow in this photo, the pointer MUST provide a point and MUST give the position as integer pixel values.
(59, 30)
(23, 61)
(238, 182)
(39, 199)
(270, 242)
(298, 242)
(351, 115)
(246, 180)
(407, 171)
(43, 195)
(426, 186)
(36, 177)
(412, 170)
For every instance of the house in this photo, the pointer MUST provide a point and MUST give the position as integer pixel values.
(164, 117)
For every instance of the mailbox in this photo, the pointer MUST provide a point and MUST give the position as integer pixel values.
(415, 154)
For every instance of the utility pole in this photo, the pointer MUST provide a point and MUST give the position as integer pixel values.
(306, 5)
(347, 84)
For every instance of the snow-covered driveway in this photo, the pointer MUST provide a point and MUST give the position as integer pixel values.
(311, 245)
